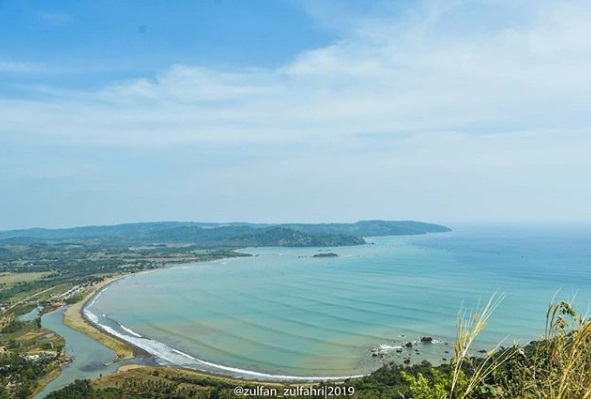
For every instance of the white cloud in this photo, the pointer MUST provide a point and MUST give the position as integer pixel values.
(526, 76)
(412, 106)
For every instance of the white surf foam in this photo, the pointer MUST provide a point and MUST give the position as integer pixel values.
(388, 348)
(175, 357)
(129, 330)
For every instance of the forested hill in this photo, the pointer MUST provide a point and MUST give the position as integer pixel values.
(228, 235)
(371, 228)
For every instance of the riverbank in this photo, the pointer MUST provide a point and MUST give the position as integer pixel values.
(74, 318)
(88, 358)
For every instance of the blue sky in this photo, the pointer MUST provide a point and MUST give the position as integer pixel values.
(285, 110)
(86, 45)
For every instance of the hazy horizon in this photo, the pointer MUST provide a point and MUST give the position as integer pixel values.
(451, 224)
(294, 111)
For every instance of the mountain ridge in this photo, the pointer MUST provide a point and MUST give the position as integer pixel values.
(227, 235)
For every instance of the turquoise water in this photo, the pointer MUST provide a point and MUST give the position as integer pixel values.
(284, 313)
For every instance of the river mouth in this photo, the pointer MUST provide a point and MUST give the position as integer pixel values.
(287, 315)
(88, 358)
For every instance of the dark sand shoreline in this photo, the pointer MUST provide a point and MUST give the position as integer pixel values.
(136, 350)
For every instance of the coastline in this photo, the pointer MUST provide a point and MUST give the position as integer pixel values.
(75, 319)
(204, 374)
(234, 381)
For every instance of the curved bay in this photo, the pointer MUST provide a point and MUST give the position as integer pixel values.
(285, 312)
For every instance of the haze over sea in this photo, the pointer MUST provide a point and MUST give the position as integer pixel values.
(283, 312)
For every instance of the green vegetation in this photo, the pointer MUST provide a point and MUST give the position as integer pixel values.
(371, 228)
(19, 376)
(557, 367)
(8, 280)
(286, 237)
(29, 356)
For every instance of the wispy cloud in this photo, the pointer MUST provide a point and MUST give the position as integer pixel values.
(384, 78)
(20, 67)
(415, 103)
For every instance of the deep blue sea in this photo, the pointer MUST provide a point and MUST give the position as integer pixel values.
(284, 313)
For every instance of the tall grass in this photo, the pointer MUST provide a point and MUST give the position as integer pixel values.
(466, 374)
(563, 362)
(556, 367)
(468, 328)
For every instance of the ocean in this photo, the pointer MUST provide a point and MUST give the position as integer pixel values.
(285, 314)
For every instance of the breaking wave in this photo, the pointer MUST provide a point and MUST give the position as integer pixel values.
(174, 357)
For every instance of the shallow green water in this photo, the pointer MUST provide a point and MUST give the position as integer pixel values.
(284, 313)
(30, 316)
(89, 358)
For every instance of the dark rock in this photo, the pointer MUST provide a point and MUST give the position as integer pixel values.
(408, 345)
(426, 340)
(325, 255)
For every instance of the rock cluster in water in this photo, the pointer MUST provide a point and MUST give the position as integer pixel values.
(384, 350)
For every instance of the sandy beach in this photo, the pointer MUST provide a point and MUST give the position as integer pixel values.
(74, 318)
